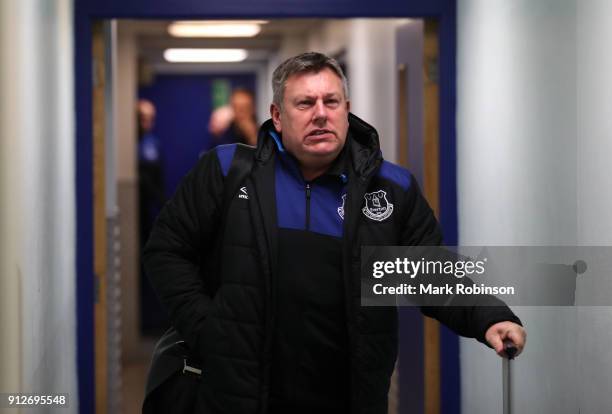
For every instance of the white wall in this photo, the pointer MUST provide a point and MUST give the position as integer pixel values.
(533, 126)
(594, 109)
(332, 37)
(373, 78)
(516, 121)
(37, 189)
(127, 87)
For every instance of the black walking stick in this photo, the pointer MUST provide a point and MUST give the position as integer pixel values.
(510, 351)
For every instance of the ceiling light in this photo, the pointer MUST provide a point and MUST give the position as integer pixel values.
(216, 28)
(205, 55)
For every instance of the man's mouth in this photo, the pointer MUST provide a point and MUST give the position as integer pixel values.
(317, 132)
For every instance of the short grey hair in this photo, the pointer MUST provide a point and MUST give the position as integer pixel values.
(304, 63)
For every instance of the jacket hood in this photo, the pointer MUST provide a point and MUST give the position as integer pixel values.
(362, 140)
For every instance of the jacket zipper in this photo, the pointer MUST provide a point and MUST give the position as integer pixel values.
(307, 206)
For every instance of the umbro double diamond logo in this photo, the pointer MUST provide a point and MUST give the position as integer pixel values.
(243, 193)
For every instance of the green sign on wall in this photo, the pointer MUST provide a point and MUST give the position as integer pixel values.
(221, 90)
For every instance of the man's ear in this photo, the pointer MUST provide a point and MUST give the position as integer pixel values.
(275, 114)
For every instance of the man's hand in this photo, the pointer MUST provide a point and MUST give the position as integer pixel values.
(506, 331)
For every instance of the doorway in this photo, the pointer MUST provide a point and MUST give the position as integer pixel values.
(444, 14)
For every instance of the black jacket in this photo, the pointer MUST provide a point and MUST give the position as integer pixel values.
(218, 283)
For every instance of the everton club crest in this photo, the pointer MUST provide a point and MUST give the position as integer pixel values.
(377, 206)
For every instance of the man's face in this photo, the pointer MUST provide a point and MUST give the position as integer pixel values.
(314, 118)
(146, 116)
(243, 106)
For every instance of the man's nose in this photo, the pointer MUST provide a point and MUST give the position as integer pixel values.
(320, 113)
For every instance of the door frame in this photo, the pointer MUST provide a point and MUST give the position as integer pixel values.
(88, 11)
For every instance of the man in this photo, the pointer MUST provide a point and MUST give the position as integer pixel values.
(150, 174)
(235, 122)
(245, 120)
(151, 198)
(284, 331)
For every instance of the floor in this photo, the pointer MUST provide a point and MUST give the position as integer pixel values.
(134, 377)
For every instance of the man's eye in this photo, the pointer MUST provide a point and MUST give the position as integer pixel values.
(332, 102)
(304, 104)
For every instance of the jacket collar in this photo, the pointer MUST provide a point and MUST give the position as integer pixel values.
(364, 147)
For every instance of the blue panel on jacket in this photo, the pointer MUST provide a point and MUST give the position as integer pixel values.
(225, 153)
(395, 173)
(290, 199)
(325, 199)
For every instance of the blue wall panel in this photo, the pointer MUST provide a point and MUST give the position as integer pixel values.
(263, 8)
(450, 378)
(84, 211)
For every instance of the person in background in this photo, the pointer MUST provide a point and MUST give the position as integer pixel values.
(236, 122)
(150, 170)
(151, 192)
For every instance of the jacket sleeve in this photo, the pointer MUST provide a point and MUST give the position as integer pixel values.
(182, 236)
(420, 228)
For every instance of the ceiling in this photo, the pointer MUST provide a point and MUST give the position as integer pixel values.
(153, 39)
